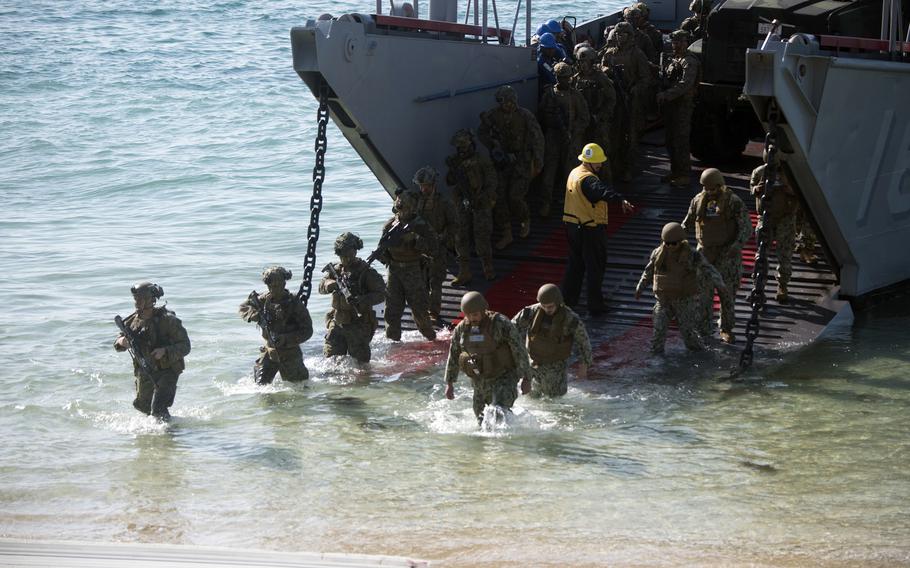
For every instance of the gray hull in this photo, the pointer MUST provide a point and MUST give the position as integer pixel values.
(848, 122)
(399, 98)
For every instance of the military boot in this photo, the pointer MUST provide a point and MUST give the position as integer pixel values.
(727, 337)
(781, 293)
(488, 272)
(807, 256)
(544, 210)
(464, 273)
(506, 239)
(525, 228)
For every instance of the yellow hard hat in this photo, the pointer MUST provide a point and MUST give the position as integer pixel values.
(593, 154)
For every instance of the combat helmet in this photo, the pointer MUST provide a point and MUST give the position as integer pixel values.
(672, 233)
(699, 6)
(347, 243)
(275, 272)
(630, 11)
(463, 138)
(624, 28)
(147, 289)
(562, 69)
(680, 35)
(643, 8)
(426, 174)
(473, 302)
(505, 94)
(549, 294)
(586, 53)
(712, 177)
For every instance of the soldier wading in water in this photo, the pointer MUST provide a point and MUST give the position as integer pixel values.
(160, 341)
(355, 288)
(487, 347)
(285, 324)
(552, 328)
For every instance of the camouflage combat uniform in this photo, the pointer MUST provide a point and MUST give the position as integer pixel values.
(163, 329)
(549, 344)
(564, 117)
(499, 356)
(600, 96)
(407, 282)
(782, 210)
(628, 62)
(677, 276)
(516, 144)
(348, 333)
(291, 326)
(438, 210)
(677, 106)
(473, 181)
(722, 227)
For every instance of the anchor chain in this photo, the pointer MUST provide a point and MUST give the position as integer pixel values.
(760, 270)
(309, 262)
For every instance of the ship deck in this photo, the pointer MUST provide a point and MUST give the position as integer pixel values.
(622, 335)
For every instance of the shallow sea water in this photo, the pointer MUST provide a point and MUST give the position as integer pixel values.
(174, 143)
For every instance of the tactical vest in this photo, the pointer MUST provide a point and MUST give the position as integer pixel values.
(152, 334)
(430, 208)
(342, 312)
(578, 209)
(674, 275)
(482, 357)
(714, 228)
(548, 341)
(405, 252)
(592, 90)
(513, 133)
(675, 71)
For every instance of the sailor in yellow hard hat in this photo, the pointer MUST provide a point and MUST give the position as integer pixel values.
(585, 218)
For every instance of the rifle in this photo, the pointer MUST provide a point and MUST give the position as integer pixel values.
(663, 80)
(622, 90)
(265, 322)
(390, 237)
(497, 154)
(145, 367)
(343, 287)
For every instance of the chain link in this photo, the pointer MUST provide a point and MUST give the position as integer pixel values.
(760, 270)
(309, 263)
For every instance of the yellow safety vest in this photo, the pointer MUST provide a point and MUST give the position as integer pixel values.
(578, 209)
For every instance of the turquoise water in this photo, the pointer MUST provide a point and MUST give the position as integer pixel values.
(174, 143)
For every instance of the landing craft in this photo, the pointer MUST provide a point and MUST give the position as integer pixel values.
(398, 87)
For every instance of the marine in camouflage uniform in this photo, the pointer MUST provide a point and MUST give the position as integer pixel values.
(677, 102)
(649, 29)
(351, 322)
(406, 259)
(564, 116)
(695, 24)
(631, 74)
(782, 212)
(486, 346)
(438, 210)
(473, 181)
(290, 325)
(551, 329)
(632, 15)
(600, 95)
(675, 272)
(163, 342)
(516, 145)
(722, 227)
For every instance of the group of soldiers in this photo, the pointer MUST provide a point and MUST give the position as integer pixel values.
(497, 353)
(530, 351)
(607, 95)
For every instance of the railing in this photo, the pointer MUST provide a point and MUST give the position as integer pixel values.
(445, 12)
